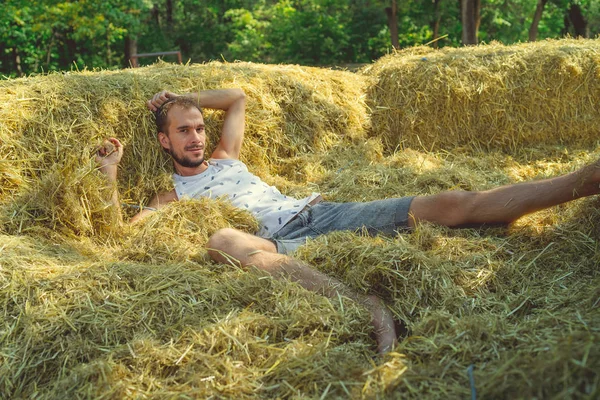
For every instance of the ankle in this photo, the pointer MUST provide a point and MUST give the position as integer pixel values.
(589, 179)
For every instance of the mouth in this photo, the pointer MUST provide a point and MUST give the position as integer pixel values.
(195, 149)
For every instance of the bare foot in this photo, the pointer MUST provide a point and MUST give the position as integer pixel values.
(383, 322)
(589, 180)
(596, 173)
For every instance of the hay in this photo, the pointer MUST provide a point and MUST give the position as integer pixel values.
(523, 309)
(90, 311)
(488, 97)
(107, 327)
(70, 201)
(180, 231)
(55, 122)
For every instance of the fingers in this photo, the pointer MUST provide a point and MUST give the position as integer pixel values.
(102, 150)
(159, 99)
(117, 146)
(109, 147)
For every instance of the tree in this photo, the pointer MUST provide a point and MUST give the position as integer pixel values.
(537, 16)
(575, 16)
(55, 34)
(21, 37)
(435, 23)
(44, 35)
(470, 13)
(392, 17)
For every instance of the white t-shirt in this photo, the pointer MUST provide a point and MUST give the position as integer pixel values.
(245, 190)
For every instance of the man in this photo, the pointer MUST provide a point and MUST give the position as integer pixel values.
(287, 222)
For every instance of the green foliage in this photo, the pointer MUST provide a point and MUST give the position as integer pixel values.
(506, 20)
(53, 34)
(44, 35)
(309, 32)
(249, 40)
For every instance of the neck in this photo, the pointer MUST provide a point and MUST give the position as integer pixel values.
(190, 171)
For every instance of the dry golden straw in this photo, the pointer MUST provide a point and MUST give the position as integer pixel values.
(488, 97)
(90, 310)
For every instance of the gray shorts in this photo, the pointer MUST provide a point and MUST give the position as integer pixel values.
(376, 217)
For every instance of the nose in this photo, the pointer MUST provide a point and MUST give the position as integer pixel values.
(198, 135)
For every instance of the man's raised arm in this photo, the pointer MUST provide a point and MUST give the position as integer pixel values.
(108, 156)
(232, 101)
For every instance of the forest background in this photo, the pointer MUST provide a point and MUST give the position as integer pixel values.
(47, 35)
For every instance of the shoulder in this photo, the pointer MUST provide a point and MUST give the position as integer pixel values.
(230, 162)
(225, 160)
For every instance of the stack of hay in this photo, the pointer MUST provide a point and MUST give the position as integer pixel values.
(488, 97)
(93, 311)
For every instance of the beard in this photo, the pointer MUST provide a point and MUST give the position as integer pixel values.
(185, 161)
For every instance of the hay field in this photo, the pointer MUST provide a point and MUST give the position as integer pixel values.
(92, 311)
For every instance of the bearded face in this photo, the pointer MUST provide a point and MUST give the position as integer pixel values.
(186, 160)
(186, 138)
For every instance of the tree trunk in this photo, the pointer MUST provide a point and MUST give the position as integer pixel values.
(477, 17)
(155, 16)
(130, 50)
(169, 14)
(588, 12)
(436, 22)
(537, 17)
(469, 21)
(49, 52)
(108, 49)
(392, 16)
(579, 23)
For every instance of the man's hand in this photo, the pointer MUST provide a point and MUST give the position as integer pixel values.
(159, 99)
(108, 156)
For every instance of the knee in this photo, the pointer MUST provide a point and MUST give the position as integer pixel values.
(221, 243)
(223, 238)
(230, 246)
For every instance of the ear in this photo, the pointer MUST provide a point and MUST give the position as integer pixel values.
(164, 141)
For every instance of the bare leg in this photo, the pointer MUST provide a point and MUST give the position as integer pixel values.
(232, 246)
(506, 203)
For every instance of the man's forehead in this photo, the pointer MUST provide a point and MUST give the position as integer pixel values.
(179, 114)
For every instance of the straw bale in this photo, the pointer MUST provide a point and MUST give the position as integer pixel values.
(518, 304)
(89, 311)
(487, 97)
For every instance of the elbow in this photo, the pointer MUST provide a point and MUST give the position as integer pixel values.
(240, 93)
(239, 99)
